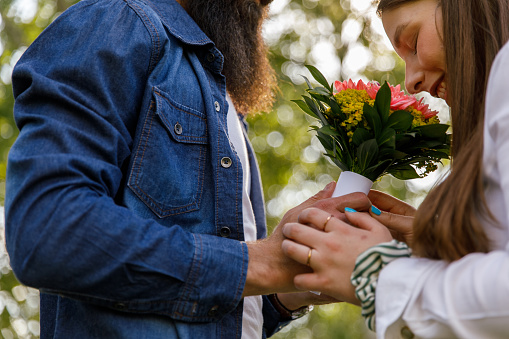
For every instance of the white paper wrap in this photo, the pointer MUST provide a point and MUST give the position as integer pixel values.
(350, 182)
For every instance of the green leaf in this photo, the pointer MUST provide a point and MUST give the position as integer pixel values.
(314, 108)
(383, 102)
(319, 90)
(307, 82)
(340, 164)
(367, 153)
(372, 118)
(375, 171)
(400, 120)
(302, 105)
(435, 154)
(427, 144)
(318, 97)
(319, 77)
(393, 153)
(326, 141)
(328, 130)
(432, 131)
(360, 135)
(387, 138)
(403, 172)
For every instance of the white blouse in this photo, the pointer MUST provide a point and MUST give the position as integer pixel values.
(468, 298)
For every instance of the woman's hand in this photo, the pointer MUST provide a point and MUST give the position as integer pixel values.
(330, 247)
(395, 214)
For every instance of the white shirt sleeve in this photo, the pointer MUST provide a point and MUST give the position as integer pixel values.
(468, 298)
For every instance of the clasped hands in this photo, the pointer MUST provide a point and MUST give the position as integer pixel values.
(329, 243)
(315, 246)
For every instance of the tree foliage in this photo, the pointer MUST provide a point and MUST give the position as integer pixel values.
(336, 36)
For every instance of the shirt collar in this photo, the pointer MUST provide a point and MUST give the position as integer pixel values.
(179, 23)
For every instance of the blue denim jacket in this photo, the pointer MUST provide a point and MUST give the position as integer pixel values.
(124, 195)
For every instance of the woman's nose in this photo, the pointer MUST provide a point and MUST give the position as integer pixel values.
(414, 79)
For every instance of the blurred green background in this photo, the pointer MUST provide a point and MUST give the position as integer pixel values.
(343, 38)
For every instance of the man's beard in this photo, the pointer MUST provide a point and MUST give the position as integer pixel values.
(235, 28)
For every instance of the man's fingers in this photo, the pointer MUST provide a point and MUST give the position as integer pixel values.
(308, 282)
(325, 193)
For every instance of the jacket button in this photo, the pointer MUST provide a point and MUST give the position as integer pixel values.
(210, 57)
(178, 128)
(226, 162)
(225, 231)
(213, 311)
(406, 333)
(217, 106)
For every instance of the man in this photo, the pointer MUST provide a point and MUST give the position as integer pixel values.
(131, 189)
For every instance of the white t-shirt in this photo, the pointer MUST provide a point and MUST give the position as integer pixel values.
(252, 318)
(468, 298)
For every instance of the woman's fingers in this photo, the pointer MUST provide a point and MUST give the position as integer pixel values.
(386, 202)
(300, 253)
(317, 218)
(361, 220)
(379, 233)
(397, 222)
(400, 225)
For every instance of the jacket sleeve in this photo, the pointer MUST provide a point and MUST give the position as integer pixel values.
(78, 92)
(467, 298)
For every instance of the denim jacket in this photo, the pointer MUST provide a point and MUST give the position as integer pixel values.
(124, 195)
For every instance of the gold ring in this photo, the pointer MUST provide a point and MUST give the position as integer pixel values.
(308, 263)
(326, 221)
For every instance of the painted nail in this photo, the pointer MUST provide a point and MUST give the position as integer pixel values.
(375, 210)
(348, 209)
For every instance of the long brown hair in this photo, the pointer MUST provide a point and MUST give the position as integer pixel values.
(447, 225)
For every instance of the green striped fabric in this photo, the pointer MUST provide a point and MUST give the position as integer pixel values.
(365, 274)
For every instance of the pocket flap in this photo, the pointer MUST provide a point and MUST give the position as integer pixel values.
(185, 124)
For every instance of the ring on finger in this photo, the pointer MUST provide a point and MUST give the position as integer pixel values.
(308, 262)
(326, 221)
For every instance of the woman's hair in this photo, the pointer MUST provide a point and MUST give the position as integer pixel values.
(447, 224)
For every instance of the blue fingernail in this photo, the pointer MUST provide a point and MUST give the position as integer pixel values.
(348, 209)
(375, 210)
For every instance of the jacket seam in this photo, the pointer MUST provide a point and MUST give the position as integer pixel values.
(155, 42)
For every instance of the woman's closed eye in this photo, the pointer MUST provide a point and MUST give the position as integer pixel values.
(415, 44)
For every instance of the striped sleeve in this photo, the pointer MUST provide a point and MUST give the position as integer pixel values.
(365, 274)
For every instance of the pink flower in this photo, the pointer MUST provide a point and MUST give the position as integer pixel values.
(370, 87)
(399, 100)
(349, 84)
(424, 109)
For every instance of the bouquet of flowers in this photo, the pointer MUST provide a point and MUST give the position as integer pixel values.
(373, 130)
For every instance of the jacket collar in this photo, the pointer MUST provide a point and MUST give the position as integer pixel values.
(179, 23)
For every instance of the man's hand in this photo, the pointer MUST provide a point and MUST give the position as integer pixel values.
(269, 270)
(294, 301)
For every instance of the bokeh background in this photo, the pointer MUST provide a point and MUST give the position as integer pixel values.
(343, 38)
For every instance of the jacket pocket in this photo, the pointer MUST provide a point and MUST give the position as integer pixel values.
(168, 169)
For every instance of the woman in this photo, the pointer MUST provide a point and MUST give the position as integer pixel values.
(456, 283)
